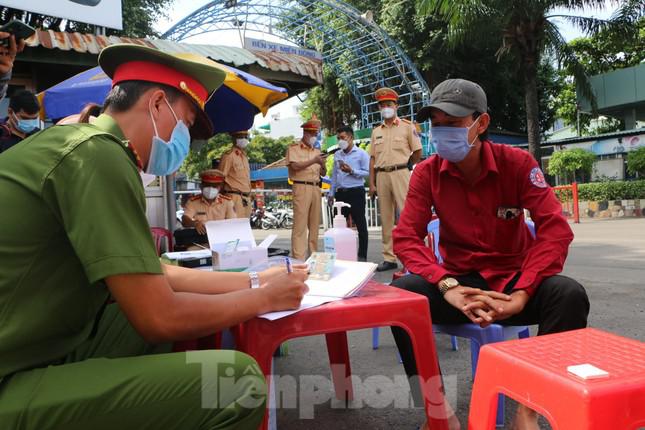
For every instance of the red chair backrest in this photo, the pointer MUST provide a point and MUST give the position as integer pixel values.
(158, 233)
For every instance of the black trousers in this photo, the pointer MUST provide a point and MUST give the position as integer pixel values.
(356, 197)
(559, 304)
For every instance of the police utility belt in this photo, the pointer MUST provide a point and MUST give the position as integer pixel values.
(391, 168)
(315, 184)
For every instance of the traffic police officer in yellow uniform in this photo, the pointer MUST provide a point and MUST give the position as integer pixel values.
(306, 166)
(74, 235)
(210, 205)
(394, 143)
(235, 166)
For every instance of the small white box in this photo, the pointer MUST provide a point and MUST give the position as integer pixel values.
(587, 371)
(233, 246)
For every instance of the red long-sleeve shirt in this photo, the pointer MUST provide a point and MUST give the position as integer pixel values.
(475, 234)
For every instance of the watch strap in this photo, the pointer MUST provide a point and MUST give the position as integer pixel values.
(255, 279)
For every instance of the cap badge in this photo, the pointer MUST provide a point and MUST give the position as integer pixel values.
(186, 89)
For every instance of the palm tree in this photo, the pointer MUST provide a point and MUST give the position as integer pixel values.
(526, 30)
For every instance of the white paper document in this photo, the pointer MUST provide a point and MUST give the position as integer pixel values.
(587, 371)
(347, 279)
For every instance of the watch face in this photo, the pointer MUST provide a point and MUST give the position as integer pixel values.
(451, 282)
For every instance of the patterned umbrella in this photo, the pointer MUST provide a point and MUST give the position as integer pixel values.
(231, 108)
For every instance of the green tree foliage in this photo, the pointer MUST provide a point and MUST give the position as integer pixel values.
(262, 149)
(571, 162)
(610, 50)
(566, 107)
(424, 38)
(332, 103)
(526, 31)
(138, 19)
(636, 162)
(601, 53)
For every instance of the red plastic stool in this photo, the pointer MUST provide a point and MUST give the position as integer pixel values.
(207, 342)
(534, 372)
(376, 305)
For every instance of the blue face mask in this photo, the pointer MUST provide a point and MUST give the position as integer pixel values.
(452, 143)
(166, 157)
(26, 125)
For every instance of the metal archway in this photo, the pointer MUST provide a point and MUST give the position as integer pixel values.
(357, 49)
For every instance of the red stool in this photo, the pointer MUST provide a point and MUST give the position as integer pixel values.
(158, 233)
(377, 305)
(534, 372)
(207, 342)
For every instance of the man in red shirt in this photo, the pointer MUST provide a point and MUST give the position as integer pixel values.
(493, 270)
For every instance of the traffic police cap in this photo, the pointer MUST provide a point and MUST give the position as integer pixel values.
(197, 80)
(240, 134)
(312, 125)
(212, 176)
(456, 97)
(386, 94)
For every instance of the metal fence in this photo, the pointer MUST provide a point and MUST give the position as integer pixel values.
(371, 213)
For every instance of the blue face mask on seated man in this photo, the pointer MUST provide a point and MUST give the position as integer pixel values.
(166, 157)
(27, 125)
(452, 143)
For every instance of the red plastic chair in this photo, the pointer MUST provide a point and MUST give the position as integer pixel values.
(376, 305)
(207, 342)
(534, 372)
(158, 233)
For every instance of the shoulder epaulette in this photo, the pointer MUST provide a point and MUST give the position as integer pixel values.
(224, 197)
(195, 198)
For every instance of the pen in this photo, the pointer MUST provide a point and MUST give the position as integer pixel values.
(287, 261)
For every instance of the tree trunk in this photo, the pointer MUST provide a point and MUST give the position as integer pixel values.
(532, 109)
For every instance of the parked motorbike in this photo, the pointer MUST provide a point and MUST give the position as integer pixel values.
(285, 218)
(256, 218)
(269, 220)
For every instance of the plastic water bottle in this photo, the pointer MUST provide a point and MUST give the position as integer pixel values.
(340, 239)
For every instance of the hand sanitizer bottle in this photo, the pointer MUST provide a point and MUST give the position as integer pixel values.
(340, 239)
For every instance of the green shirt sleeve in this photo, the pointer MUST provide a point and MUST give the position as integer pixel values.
(97, 193)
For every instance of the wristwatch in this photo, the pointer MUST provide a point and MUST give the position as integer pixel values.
(255, 279)
(446, 284)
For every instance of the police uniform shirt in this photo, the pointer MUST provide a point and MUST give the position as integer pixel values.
(235, 166)
(393, 145)
(74, 213)
(298, 151)
(200, 209)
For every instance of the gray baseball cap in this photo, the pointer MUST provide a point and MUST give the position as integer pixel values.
(456, 97)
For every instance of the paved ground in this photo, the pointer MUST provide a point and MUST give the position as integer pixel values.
(607, 257)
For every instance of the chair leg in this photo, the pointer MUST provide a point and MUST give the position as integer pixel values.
(495, 334)
(341, 371)
(453, 343)
(375, 339)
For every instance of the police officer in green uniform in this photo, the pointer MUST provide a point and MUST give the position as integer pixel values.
(74, 233)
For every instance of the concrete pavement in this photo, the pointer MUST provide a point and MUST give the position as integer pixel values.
(607, 257)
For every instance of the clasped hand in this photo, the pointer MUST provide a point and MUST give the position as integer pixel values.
(485, 307)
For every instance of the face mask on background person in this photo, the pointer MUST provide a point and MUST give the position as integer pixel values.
(312, 141)
(166, 157)
(242, 143)
(343, 144)
(26, 125)
(388, 112)
(210, 192)
(452, 143)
